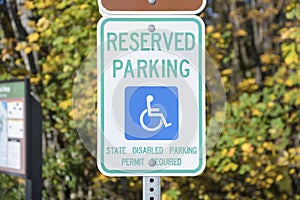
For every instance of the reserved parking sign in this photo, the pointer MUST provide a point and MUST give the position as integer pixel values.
(151, 89)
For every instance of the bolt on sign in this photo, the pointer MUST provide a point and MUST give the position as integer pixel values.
(151, 89)
(151, 6)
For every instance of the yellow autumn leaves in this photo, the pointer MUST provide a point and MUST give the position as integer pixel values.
(29, 45)
(64, 105)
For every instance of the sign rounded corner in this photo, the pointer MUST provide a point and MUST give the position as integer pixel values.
(101, 167)
(202, 168)
(201, 8)
(102, 10)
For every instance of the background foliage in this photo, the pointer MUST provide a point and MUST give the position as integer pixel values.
(255, 43)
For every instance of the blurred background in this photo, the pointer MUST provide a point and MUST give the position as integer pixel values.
(254, 43)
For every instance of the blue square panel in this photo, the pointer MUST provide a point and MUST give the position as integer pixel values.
(151, 113)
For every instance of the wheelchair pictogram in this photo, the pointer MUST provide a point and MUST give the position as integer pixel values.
(153, 112)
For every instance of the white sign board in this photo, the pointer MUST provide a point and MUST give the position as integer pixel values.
(151, 96)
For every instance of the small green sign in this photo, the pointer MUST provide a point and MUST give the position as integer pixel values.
(12, 90)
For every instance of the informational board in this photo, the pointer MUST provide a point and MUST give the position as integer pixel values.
(151, 96)
(13, 104)
(151, 6)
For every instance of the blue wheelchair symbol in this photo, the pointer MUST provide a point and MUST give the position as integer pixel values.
(151, 113)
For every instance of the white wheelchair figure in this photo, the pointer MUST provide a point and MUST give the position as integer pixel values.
(153, 112)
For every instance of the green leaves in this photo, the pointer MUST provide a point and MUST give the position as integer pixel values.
(290, 53)
(293, 11)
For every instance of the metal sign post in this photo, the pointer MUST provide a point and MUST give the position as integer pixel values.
(151, 188)
(34, 182)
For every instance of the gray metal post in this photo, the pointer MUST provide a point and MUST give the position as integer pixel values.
(151, 188)
(28, 190)
(34, 181)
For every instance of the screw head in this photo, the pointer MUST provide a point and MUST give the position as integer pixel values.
(152, 162)
(152, 2)
(151, 28)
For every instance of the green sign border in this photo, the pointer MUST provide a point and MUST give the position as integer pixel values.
(144, 19)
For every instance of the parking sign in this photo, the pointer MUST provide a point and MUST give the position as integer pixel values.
(151, 108)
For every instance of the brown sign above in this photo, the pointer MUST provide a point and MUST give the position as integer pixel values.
(151, 6)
